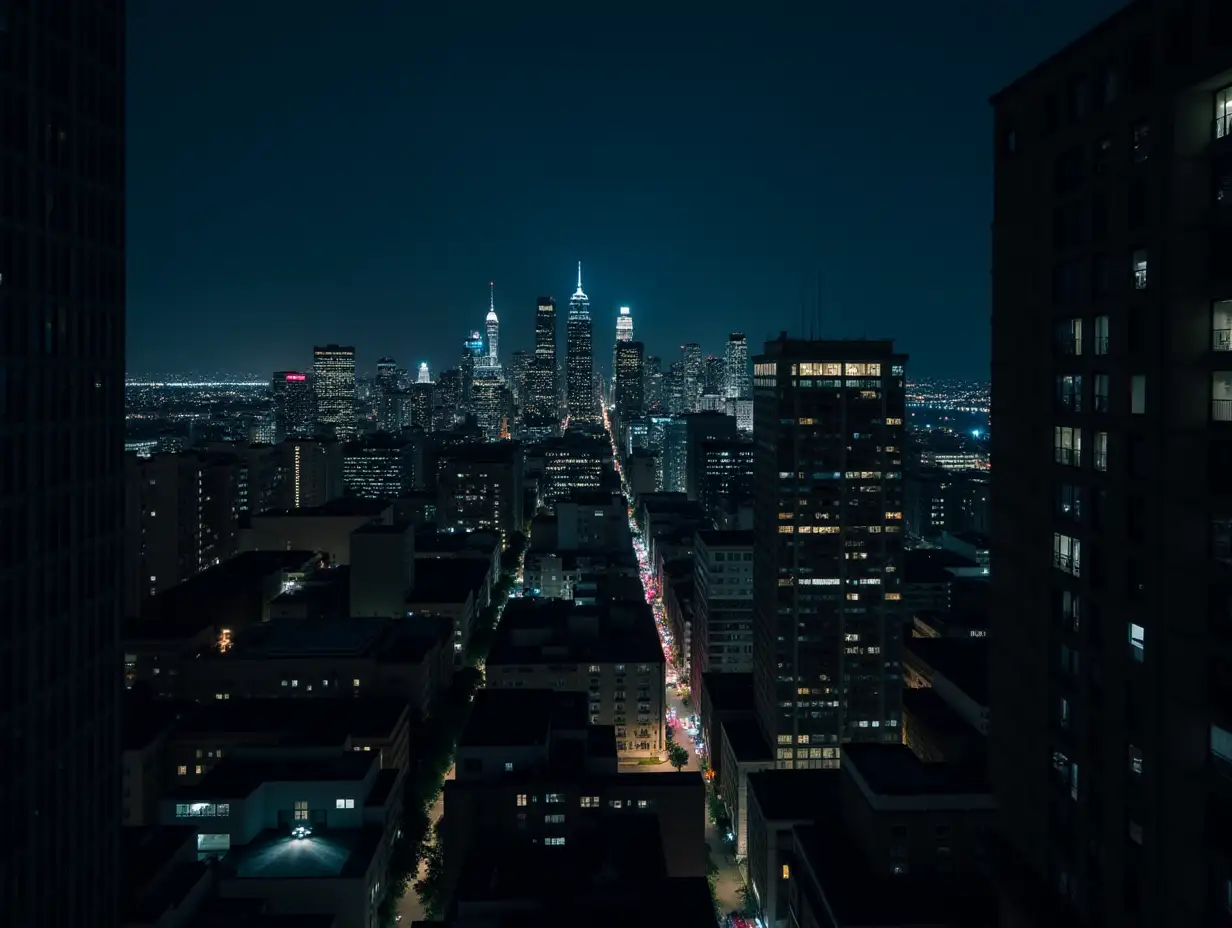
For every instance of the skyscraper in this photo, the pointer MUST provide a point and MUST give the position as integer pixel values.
(624, 325)
(629, 381)
(333, 379)
(295, 411)
(492, 324)
(1111, 572)
(828, 555)
(472, 356)
(691, 377)
(61, 466)
(541, 383)
(386, 386)
(624, 333)
(736, 361)
(653, 391)
(425, 375)
(583, 405)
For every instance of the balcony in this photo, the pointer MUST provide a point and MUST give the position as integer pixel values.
(1070, 457)
(1067, 562)
(1221, 396)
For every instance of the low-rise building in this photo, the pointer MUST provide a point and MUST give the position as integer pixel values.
(536, 777)
(169, 743)
(609, 651)
(306, 833)
(885, 840)
(723, 697)
(326, 528)
(321, 658)
(723, 604)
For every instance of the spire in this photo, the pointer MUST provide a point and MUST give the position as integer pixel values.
(492, 301)
(579, 277)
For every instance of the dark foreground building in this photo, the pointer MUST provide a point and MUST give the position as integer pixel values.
(1111, 666)
(61, 458)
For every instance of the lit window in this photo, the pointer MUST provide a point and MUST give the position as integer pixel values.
(182, 770)
(642, 804)
(1137, 394)
(301, 810)
(521, 799)
(554, 842)
(355, 682)
(1140, 267)
(1137, 641)
(786, 872)
(1223, 113)
(554, 819)
(197, 770)
(344, 803)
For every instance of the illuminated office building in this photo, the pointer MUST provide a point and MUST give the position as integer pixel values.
(295, 408)
(425, 375)
(579, 350)
(492, 326)
(690, 378)
(333, 380)
(629, 381)
(738, 382)
(828, 525)
(541, 398)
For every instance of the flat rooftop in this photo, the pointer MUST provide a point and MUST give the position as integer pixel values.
(507, 717)
(746, 740)
(728, 692)
(535, 631)
(275, 855)
(449, 580)
(298, 721)
(730, 538)
(859, 896)
(346, 507)
(935, 714)
(786, 795)
(894, 770)
(206, 598)
(962, 661)
(238, 777)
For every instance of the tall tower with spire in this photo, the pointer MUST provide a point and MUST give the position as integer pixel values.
(493, 327)
(580, 355)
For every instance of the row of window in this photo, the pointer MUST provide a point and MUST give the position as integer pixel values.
(586, 802)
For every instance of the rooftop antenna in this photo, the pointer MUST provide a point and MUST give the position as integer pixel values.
(817, 305)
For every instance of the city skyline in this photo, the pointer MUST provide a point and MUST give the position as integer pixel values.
(676, 201)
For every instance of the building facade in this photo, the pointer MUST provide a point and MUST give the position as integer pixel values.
(1112, 440)
(61, 461)
(828, 526)
(295, 408)
(580, 354)
(333, 380)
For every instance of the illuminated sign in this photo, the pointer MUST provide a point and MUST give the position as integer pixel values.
(296, 377)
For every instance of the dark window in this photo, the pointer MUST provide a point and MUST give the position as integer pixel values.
(1067, 225)
(1099, 218)
(1135, 510)
(1140, 141)
(1223, 181)
(1180, 36)
(1221, 540)
(1051, 114)
(1137, 207)
(1069, 282)
(1069, 501)
(1138, 464)
(1067, 171)
(1009, 142)
(1079, 98)
(1109, 85)
(1105, 275)
(1069, 392)
(1140, 64)
(1101, 155)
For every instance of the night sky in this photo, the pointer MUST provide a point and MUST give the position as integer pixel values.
(308, 171)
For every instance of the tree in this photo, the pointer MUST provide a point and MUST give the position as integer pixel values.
(429, 888)
(677, 757)
(748, 902)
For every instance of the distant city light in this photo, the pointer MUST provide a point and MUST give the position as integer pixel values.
(976, 433)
